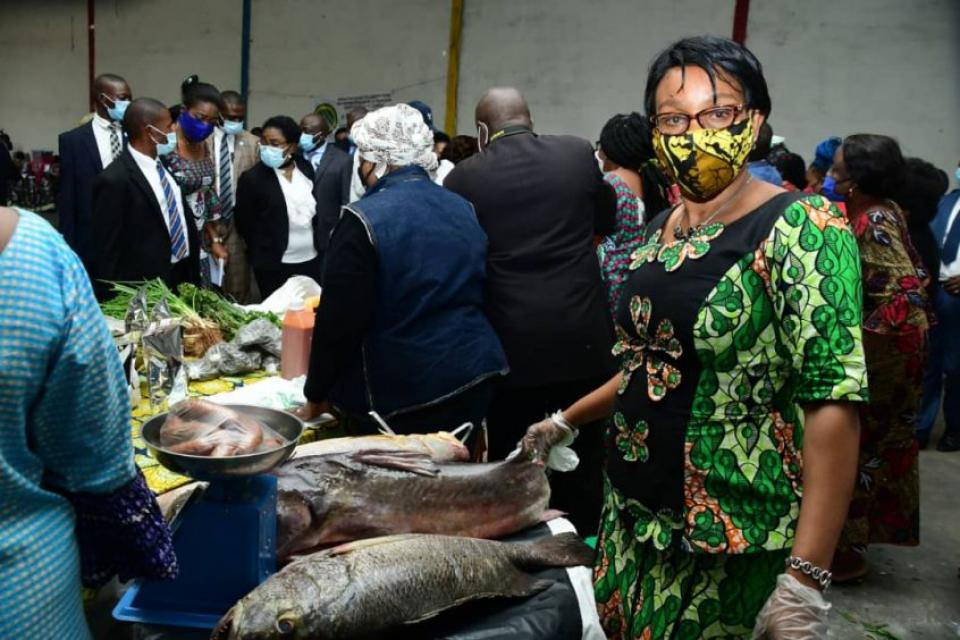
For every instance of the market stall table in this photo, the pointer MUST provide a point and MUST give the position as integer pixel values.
(564, 610)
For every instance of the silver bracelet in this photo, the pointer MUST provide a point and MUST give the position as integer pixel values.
(807, 568)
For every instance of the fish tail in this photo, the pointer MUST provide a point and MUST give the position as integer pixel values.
(563, 550)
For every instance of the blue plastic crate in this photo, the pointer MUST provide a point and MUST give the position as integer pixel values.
(225, 545)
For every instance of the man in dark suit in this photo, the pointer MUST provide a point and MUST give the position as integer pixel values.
(943, 370)
(331, 169)
(85, 152)
(541, 200)
(141, 223)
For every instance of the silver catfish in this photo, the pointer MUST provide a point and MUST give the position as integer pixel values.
(329, 500)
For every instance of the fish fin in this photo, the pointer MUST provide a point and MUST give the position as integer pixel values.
(408, 461)
(552, 514)
(466, 428)
(342, 549)
(563, 550)
(516, 585)
(384, 427)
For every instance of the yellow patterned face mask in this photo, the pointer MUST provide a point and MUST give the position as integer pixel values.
(703, 163)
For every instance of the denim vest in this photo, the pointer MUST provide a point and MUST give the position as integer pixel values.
(430, 339)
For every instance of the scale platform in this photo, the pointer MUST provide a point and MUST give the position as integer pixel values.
(225, 540)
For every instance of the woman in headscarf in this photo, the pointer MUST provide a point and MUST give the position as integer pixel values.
(822, 161)
(401, 330)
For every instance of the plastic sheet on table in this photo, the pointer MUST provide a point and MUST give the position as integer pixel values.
(224, 359)
(260, 333)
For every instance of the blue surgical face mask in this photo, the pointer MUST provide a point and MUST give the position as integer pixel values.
(957, 174)
(118, 109)
(829, 190)
(232, 127)
(307, 142)
(195, 130)
(165, 148)
(273, 157)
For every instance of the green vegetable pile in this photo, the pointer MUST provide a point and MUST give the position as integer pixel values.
(212, 306)
(189, 302)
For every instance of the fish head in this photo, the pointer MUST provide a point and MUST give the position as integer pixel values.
(294, 519)
(271, 616)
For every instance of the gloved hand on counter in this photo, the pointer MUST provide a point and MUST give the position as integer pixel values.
(793, 611)
(548, 442)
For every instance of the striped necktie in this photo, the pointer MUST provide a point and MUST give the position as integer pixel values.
(178, 239)
(114, 141)
(226, 183)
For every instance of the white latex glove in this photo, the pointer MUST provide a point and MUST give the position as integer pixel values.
(548, 442)
(793, 611)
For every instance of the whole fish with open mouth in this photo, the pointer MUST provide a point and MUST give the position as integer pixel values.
(362, 588)
(328, 500)
(440, 447)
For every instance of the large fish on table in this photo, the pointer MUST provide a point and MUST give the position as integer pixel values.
(328, 500)
(440, 446)
(363, 588)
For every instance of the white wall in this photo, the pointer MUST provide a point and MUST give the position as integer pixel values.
(305, 51)
(870, 66)
(577, 63)
(885, 66)
(43, 70)
(155, 45)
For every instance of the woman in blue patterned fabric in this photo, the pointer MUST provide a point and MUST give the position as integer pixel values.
(72, 503)
(742, 366)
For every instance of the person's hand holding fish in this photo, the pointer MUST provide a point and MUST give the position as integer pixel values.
(548, 443)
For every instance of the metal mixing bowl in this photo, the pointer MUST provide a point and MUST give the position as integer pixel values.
(287, 426)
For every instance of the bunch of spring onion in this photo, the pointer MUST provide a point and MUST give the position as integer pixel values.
(194, 305)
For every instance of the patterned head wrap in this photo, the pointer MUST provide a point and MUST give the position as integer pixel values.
(395, 136)
(823, 156)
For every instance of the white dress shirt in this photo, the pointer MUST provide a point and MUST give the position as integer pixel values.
(443, 170)
(148, 166)
(301, 209)
(950, 269)
(101, 132)
(316, 155)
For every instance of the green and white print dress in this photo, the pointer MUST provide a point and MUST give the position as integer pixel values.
(721, 337)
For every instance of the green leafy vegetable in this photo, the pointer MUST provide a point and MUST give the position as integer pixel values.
(189, 302)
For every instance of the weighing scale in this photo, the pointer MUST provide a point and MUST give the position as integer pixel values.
(225, 540)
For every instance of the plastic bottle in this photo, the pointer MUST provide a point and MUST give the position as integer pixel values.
(296, 341)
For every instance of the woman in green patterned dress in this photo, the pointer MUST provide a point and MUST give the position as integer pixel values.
(741, 365)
